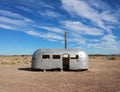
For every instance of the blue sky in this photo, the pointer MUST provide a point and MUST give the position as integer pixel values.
(27, 25)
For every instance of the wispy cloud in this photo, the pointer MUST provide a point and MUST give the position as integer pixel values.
(108, 44)
(49, 13)
(13, 21)
(11, 14)
(79, 41)
(34, 33)
(102, 20)
(17, 22)
(89, 23)
(108, 17)
(98, 5)
(49, 36)
(5, 26)
(44, 4)
(83, 9)
(24, 9)
(52, 29)
(77, 26)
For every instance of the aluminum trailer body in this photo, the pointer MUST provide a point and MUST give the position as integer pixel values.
(71, 59)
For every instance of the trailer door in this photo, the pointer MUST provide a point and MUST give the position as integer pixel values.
(65, 61)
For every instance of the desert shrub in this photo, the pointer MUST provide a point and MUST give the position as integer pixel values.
(111, 58)
(93, 57)
(12, 62)
(4, 63)
(18, 62)
(16, 58)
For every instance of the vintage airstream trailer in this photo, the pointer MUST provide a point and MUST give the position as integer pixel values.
(63, 59)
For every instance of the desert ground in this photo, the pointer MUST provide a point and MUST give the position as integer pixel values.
(16, 75)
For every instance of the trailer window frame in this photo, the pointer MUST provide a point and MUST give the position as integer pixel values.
(45, 56)
(56, 56)
(76, 57)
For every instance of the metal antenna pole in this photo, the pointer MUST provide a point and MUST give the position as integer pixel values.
(65, 38)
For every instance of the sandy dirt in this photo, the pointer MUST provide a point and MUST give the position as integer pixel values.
(102, 76)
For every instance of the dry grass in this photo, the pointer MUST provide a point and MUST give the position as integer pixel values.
(23, 59)
(102, 76)
(105, 57)
(15, 59)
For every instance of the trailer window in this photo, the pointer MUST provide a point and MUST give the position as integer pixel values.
(45, 56)
(74, 56)
(56, 56)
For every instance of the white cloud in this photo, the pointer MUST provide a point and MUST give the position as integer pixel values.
(52, 29)
(104, 47)
(49, 36)
(24, 9)
(80, 8)
(107, 44)
(78, 27)
(94, 40)
(43, 4)
(14, 24)
(49, 13)
(33, 33)
(110, 41)
(100, 5)
(83, 9)
(11, 21)
(75, 40)
(27, 20)
(14, 21)
(5, 26)
(11, 14)
(106, 16)
(72, 36)
(92, 45)
(53, 36)
(101, 16)
(17, 22)
(109, 37)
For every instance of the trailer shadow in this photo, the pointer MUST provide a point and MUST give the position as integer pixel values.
(51, 70)
(29, 69)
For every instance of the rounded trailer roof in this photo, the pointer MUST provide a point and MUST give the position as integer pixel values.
(59, 50)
